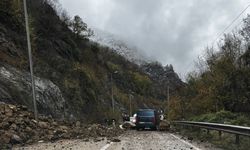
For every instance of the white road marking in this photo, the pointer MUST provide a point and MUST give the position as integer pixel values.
(196, 148)
(106, 146)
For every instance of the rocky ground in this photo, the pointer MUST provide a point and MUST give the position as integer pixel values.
(130, 140)
(18, 126)
(154, 140)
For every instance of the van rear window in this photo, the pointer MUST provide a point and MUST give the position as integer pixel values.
(145, 113)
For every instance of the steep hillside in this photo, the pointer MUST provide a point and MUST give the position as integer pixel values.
(73, 75)
(162, 76)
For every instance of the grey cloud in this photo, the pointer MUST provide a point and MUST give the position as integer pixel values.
(171, 31)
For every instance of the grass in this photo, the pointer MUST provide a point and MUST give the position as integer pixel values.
(226, 141)
(224, 117)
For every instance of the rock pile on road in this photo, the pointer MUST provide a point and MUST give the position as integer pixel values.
(18, 126)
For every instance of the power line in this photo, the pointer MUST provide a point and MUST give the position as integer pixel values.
(231, 24)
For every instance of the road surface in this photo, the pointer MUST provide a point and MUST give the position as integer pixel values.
(131, 140)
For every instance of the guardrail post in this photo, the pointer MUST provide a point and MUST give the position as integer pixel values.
(220, 134)
(208, 131)
(237, 131)
(237, 139)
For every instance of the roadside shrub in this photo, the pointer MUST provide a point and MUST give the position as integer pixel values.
(224, 117)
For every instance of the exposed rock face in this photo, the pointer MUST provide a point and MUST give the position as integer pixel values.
(15, 86)
(163, 76)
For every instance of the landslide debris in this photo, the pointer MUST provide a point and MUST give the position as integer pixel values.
(18, 126)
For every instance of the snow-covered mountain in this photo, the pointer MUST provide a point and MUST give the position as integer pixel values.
(119, 45)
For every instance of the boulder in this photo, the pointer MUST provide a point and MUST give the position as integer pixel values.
(64, 128)
(5, 138)
(28, 129)
(8, 112)
(15, 139)
(43, 125)
(13, 126)
(4, 125)
(78, 124)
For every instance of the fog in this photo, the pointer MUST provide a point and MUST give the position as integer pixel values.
(169, 31)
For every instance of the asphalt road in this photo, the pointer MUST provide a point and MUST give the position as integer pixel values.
(152, 140)
(131, 140)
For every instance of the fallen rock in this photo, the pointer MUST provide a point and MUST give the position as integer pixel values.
(42, 124)
(28, 129)
(164, 125)
(190, 138)
(5, 138)
(4, 125)
(115, 140)
(8, 112)
(13, 126)
(18, 126)
(78, 124)
(65, 128)
(15, 139)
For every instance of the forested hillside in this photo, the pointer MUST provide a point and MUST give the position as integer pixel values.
(220, 88)
(74, 76)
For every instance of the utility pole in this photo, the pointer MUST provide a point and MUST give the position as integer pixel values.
(112, 94)
(168, 101)
(112, 91)
(130, 106)
(30, 57)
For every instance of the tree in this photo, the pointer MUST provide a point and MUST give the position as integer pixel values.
(245, 31)
(64, 16)
(80, 28)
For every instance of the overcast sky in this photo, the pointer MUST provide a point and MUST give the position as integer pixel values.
(170, 31)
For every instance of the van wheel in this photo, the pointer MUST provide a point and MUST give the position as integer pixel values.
(153, 128)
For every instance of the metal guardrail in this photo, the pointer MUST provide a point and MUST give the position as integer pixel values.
(237, 130)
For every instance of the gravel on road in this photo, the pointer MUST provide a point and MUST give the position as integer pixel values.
(130, 140)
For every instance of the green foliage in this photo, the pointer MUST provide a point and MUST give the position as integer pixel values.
(78, 25)
(224, 117)
(12, 13)
(222, 83)
(142, 82)
(177, 109)
(113, 67)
